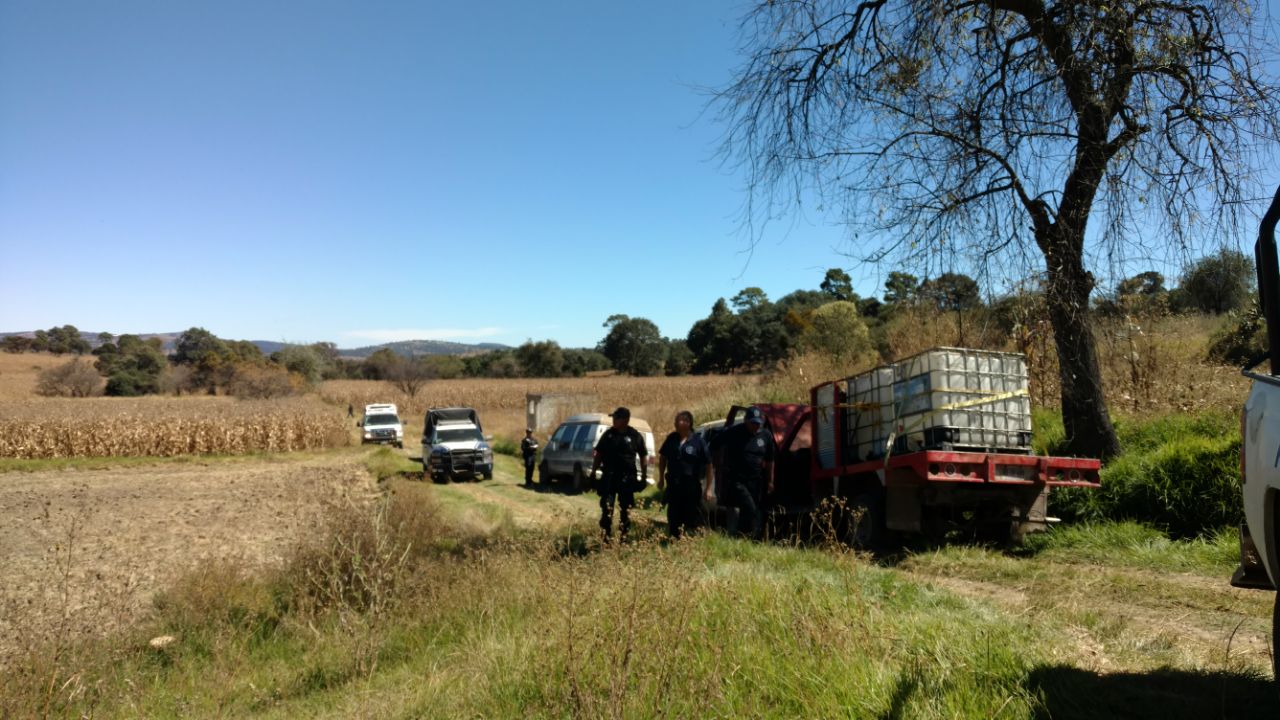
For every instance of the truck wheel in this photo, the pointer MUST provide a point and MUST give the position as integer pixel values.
(488, 475)
(544, 475)
(867, 530)
(579, 479)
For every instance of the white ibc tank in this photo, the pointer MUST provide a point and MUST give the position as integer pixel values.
(943, 398)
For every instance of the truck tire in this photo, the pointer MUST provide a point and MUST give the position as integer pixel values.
(867, 529)
(544, 475)
(579, 479)
(488, 475)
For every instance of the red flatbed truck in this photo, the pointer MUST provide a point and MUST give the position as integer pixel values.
(999, 495)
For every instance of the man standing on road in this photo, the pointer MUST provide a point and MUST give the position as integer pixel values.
(619, 448)
(529, 451)
(684, 467)
(748, 467)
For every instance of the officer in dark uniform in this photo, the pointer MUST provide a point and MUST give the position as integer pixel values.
(684, 467)
(747, 463)
(617, 450)
(529, 451)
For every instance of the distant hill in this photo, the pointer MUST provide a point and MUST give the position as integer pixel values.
(423, 347)
(406, 347)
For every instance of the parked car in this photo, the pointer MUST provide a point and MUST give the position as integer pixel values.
(454, 445)
(1260, 442)
(381, 424)
(568, 453)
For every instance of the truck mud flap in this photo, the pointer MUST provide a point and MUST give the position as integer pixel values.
(1250, 574)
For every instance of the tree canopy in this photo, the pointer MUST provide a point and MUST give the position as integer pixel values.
(990, 132)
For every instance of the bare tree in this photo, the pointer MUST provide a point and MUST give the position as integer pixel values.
(74, 379)
(409, 375)
(994, 130)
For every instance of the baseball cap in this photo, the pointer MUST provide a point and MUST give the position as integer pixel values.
(621, 412)
(754, 415)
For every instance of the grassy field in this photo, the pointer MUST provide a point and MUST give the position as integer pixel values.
(490, 599)
(493, 600)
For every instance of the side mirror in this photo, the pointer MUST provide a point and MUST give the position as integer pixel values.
(489, 438)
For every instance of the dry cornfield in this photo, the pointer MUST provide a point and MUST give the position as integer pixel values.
(501, 401)
(164, 427)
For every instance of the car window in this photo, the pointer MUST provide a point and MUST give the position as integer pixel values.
(384, 419)
(582, 441)
(447, 435)
(560, 433)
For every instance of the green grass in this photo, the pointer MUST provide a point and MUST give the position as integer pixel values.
(1177, 472)
(451, 604)
(711, 627)
(385, 463)
(1135, 545)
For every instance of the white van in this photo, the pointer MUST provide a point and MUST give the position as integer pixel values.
(568, 454)
(381, 424)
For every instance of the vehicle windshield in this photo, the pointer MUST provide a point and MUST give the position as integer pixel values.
(448, 435)
(385, 419)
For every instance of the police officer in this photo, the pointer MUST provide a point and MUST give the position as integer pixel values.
(617, 450)
(529, 451)
(684, 467)
(747, 460)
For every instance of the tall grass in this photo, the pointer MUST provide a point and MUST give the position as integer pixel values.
(383, 613)
(1179, 473)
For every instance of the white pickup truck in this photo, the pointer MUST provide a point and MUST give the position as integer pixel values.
(1260, 449)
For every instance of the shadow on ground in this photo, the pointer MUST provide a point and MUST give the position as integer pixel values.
(1069, 693)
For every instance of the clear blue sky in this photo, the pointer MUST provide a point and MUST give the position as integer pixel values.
(359, 172)
(369, 171)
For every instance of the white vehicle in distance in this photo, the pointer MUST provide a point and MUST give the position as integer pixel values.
(568, 453)
(381, 424)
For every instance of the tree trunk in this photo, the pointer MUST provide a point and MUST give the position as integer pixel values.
(1084, 409)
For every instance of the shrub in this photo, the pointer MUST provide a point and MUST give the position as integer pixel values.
(506, 446)
(1177, 473)
(259, 382)
(131, 383)
(74, 379)
(1243, 337)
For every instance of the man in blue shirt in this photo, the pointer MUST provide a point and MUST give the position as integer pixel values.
(747, 463)
(618, 450)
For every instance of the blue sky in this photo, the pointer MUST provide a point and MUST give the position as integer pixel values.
(374, 171)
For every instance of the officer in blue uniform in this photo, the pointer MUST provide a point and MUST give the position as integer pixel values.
(684, 468)
(747, 462)
(529, 453)
(618, 449)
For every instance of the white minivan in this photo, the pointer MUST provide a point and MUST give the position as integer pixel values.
(568, 453)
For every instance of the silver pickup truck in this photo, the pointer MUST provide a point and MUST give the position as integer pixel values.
(1260, 449)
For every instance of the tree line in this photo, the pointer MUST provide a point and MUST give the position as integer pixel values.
(746, 333)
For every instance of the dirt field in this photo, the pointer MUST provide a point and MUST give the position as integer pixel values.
(91, 548)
